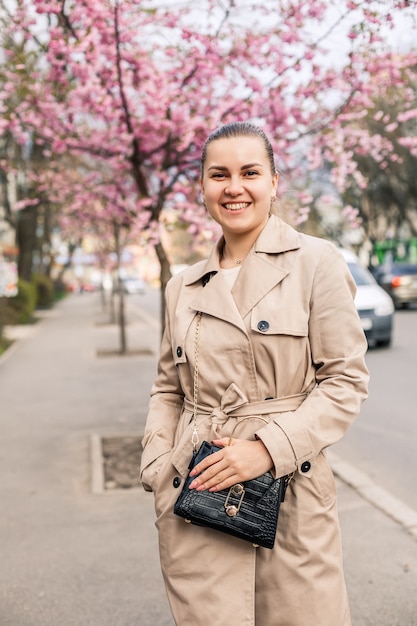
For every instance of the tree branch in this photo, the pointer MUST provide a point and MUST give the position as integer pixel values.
(136, 158)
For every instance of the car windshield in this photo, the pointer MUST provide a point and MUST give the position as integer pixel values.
(360, 274)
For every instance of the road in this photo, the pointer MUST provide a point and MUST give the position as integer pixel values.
(382, 442)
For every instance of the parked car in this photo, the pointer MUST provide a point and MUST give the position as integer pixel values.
(132, 284)
(374, 305)
(400, 281)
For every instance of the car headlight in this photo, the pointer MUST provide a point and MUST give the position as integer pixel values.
(385, 308)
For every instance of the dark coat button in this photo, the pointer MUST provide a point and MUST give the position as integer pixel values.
(179, 351)
(263, 326)
(305, 466)
(176, 482)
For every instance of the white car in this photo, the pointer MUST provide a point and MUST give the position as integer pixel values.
(374, 305)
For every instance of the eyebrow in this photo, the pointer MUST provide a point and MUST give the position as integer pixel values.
(244, 167)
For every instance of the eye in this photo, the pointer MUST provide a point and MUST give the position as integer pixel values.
(218, 175)
(251, 173)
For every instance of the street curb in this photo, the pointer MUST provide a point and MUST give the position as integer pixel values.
(379, 497)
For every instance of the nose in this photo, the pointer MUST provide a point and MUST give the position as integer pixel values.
(234, 188)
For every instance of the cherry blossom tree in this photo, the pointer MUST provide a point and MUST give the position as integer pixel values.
(133, 87)
(383, 186)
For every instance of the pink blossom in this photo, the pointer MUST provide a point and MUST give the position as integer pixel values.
(23, 204)
(407, 115)
(122, 121)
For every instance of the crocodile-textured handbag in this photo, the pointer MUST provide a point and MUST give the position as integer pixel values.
(248, 510)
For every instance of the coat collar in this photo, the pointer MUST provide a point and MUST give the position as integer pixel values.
(264, 267)
(276, 237)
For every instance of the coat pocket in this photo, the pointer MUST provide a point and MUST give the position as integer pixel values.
(153, 460)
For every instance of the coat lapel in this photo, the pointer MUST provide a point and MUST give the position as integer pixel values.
(265, 265)
(216, 299)
(263, 268)
(209, 292)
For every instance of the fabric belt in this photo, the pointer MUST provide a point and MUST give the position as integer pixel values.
(235, 404)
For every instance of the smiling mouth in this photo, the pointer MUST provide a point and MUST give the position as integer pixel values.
(236, 206)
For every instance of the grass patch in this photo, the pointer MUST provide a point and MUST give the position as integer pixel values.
(4, 344)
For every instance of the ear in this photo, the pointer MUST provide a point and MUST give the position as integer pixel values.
(275, 182)
(202, 187)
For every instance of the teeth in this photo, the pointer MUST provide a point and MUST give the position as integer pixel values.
(236, 206)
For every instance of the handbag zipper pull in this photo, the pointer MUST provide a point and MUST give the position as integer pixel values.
(194, 437)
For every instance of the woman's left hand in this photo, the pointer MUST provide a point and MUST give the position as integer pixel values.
(241, 461)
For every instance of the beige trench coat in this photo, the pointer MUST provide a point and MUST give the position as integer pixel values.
(289, 326)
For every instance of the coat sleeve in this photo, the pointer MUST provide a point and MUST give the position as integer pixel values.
(338, 347)
(164, 408)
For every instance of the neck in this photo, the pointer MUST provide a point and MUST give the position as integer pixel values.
(236, 247)
(231, 258)
(233, 255)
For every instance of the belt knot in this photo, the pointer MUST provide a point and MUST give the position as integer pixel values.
(232, 399)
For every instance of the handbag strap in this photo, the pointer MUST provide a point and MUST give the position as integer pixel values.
(194, 437)
(249, 417)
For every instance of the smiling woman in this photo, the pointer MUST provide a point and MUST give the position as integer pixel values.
(254, 332)
(238, 184)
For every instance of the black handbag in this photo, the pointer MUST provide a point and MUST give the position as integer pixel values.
(248, 510)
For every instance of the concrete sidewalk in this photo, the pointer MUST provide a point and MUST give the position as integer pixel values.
(69, 557)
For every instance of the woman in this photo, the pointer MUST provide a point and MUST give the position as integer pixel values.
(278, 319)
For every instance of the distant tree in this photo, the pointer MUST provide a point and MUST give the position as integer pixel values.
(385, 190)
(381, 143)
(26, 207)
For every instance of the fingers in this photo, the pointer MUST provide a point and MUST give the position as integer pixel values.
(216, 483)
(233, 464)
(214, 472)
(225, 441)
(206, 463)
(214, 478)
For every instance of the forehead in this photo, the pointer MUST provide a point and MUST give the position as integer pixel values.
(238, 150)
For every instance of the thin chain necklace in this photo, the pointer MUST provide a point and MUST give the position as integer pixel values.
(228, 258)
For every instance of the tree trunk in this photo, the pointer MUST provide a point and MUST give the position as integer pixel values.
(112, 309)
(122, 316)
(26, 241)
(122, 319)
(45, 249)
